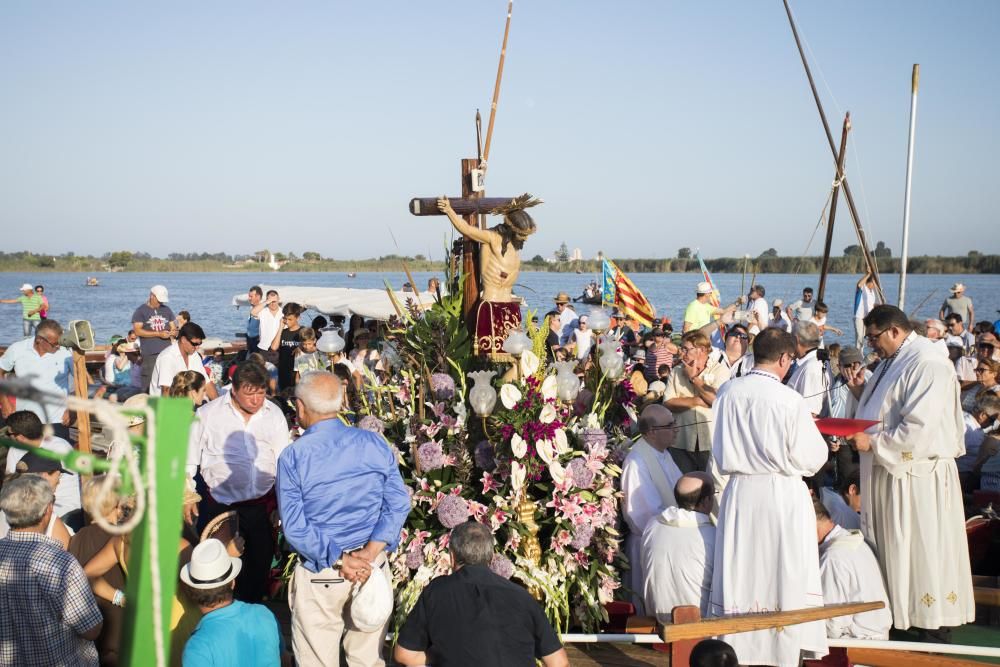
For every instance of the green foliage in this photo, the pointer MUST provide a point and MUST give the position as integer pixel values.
(852, 251)
(770, 252)
(881, 250)
(119, 259)
(684, 253)
(562, 254)
(45, 261)
(311, 256)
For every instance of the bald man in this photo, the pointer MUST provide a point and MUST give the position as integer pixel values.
(678, 548)
(648, 478)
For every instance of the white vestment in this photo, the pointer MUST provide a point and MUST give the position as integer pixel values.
(850, 573)
(911, 499)
(765, 556)
(812, 380)
(677, 552)
(646, 492)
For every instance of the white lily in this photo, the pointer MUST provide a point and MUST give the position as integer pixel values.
(509, 396)
(557, 471)
(562, 443)
(517, 475)
(546, 451)
(548, 414)
(549, 387)
(529, 363)
(518, 446)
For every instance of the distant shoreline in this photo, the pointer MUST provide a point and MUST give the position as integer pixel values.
(925, 264)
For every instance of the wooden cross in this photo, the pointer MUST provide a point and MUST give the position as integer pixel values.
(471, 205)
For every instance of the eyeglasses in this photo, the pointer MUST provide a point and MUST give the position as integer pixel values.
(741, 336)
(875, 336)
(54, 346)
(195, 343)
(664, 427)
(980, 370)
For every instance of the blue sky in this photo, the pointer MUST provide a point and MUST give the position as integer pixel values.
(646, 126)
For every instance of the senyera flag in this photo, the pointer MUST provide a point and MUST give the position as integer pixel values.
(618, 290)
(708, 279)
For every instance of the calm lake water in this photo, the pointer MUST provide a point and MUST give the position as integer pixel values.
(208, 296)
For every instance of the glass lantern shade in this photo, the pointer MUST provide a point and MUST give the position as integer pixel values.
(482, 396)
(567, 383)
(599, 320)
(516, 343)
(330, 342)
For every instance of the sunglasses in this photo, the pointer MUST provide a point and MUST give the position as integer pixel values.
(194, 343)
(741, 336)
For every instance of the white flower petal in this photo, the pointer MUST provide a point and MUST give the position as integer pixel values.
(548, 414)
(518, 446)
(517, 474)
(549, 387)
(529, 363)
(546, 451)
(562, 443)
(509, 396)
(557, 471)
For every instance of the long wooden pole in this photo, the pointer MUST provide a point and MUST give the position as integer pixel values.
(837, 180)
(496, 86)
(470, 259)
(81, 386)
(862, 241)
(915, 83)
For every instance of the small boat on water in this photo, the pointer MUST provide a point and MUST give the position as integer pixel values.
(92, 282)
(352, 275)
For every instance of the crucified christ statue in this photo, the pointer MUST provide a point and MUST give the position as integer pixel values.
(499, 265)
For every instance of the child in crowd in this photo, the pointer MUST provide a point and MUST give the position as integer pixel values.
(272, 372)
(215, 367)
(819, 319)
(307, 357)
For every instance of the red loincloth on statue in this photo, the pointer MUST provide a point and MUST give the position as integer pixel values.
(494, 321)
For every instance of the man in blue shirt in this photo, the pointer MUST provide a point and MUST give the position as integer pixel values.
(48, 366)
(230, 633)
(342, 503)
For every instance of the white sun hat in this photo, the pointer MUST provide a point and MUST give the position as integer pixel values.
(211, 566)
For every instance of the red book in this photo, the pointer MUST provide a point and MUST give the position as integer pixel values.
(843, 427)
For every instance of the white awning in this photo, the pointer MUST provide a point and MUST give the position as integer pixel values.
(346, 301)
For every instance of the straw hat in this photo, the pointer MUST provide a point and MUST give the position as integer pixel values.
(562, 297)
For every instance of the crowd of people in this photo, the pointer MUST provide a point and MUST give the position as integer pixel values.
(734, 502)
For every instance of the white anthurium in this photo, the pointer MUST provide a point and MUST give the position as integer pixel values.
(529, 363)
(518, 446)
(561, 442)
(546, 450)
(548, 414)
(517, 475)
(549, 386)
(557, 471)
(509, 396)
(592, 421)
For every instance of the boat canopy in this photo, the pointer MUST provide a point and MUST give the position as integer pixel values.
(346, 301)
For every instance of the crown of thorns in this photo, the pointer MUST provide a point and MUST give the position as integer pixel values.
(517, 204)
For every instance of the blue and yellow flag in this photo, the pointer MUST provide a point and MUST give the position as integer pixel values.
(621, 292)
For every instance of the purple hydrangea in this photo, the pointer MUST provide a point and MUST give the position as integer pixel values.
(582, 476)
(582, 536)
(414, 559)
(485, 456)
(452, 511)
(593, 436)
(501, 566)
(430, 456)
(442, 386)
(371, 423)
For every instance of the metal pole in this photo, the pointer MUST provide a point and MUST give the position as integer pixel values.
(915, 81)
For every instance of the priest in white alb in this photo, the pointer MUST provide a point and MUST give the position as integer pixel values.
(648, 478)
(850, 573)
(765, 544)
(678, 549)
(911, 499)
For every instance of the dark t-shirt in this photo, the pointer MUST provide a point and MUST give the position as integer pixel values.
(290, 342)
(474, 617)
(153, 319)
(552, 340)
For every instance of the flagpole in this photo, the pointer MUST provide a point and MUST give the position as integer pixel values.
(915, 83)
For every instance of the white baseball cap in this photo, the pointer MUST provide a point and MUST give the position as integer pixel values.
(160, 292)
(27, 287)
(704, 288)
(211, 566)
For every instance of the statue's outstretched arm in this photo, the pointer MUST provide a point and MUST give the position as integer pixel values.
(474, 233)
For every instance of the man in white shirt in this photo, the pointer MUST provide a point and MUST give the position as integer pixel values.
(850, 573)
(803, 308)
(735, 356)
(567, 318)
(182, 355)
(765, 543)
(235, 442)
(690, 394)
(582, 338)
(864, 300)
(678, 548)
(758, 307)
(956, 328)
(26, 428)
(649, 475)
(811, 377)
(270, 322)
(47, 366)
